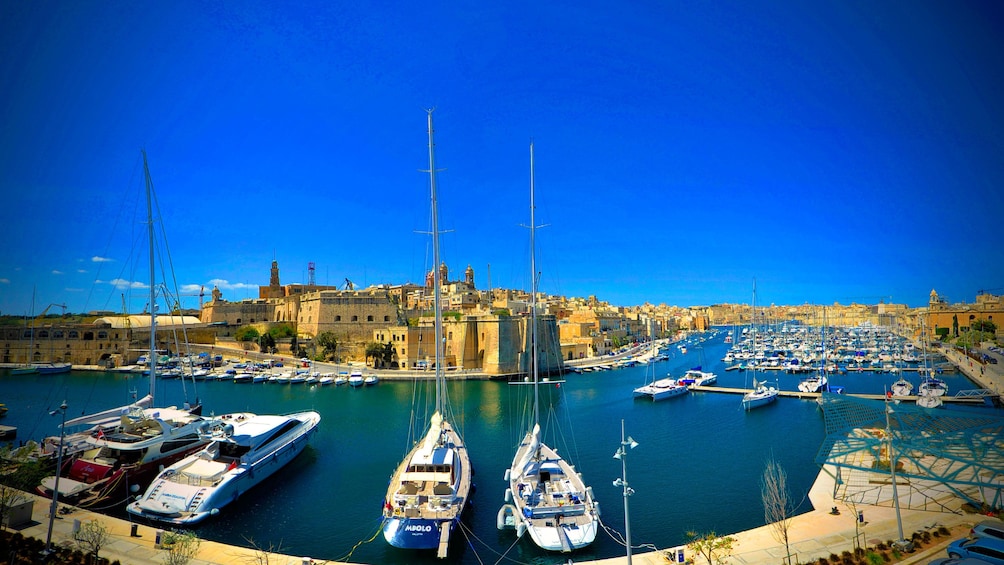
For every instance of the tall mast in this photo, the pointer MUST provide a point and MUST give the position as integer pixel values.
(437, 276)
(153, 282)
(533, 295)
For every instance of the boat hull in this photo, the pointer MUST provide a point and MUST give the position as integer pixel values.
(414, 533)
(758, 401)
(161, 499)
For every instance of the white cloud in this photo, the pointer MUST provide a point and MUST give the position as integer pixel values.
(4, 281)
(81, 270)
(123, 284)
(190, 288)
(224, 284)
(56, 272)
(97, 259)
(73, 289)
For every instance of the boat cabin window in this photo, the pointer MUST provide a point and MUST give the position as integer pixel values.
(180, 443)
(279, 433)
(234, 450)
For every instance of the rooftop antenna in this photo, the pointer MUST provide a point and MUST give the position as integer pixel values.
(310, 273)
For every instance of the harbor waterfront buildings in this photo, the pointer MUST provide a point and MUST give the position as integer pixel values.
(485, 330)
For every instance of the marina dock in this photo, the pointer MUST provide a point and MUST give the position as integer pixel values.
(814, 395)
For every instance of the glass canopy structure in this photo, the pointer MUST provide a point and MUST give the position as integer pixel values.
(944, 457)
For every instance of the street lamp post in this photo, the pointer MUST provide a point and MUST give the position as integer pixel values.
(621, 454)
(901, 542)
(59, 467)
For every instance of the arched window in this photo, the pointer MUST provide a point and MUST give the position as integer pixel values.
(355, 318)
(338, 318)
(369, 318)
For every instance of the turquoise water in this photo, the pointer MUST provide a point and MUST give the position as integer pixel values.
(697, 466)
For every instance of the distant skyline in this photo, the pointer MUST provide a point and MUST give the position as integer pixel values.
(835, 151)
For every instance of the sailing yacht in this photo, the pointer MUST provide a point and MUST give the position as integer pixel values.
(115, 460)
(431, 486)
(817, 382)
(762, 393)
(545, 497)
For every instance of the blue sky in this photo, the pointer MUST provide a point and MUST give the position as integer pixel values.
(836, 151)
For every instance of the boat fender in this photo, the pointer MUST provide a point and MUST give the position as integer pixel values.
(520, 528)
(508, 495)
(508, 473)
(596, 507)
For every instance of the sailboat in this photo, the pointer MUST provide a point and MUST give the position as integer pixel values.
(28, 368)
(545, 497)
(115, 461)
(931, 388)
(431, 486)
(817, 382)
(762, 393)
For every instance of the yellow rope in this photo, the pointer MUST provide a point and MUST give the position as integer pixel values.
(356, 546)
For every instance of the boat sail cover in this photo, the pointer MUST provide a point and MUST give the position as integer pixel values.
(432, 437)
(531, 453)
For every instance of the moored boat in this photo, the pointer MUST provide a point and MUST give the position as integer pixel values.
(761, 395)
(901, 387)
(661, 389)
(131, 454)
(245, 450)
(431, 486)
(545, 496)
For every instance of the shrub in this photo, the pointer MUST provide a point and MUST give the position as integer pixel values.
(824, 561)
(874, 558)
(944, 531)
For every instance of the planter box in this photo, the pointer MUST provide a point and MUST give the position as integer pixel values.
(18, 514)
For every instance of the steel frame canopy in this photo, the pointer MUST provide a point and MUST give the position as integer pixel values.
(938, 452)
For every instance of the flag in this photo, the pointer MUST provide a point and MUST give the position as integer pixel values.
(101, 434)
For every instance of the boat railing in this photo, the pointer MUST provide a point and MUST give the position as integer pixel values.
(975, 393)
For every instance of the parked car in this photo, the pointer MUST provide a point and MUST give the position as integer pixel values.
(988, 529)
(957, 561)
(986, 549)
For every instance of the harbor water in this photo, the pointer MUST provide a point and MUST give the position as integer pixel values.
(697, 466)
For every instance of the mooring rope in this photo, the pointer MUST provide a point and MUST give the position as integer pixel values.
(356, 546)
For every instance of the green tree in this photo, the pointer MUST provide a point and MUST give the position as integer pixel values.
(328, 343)
(281, 331)
(374, 350)
(388, 354)
(267, 343)
(716, 550)
(182, 547)
(984, 326)
(246, 333)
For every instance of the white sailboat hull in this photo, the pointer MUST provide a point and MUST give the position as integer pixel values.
(550, 500)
